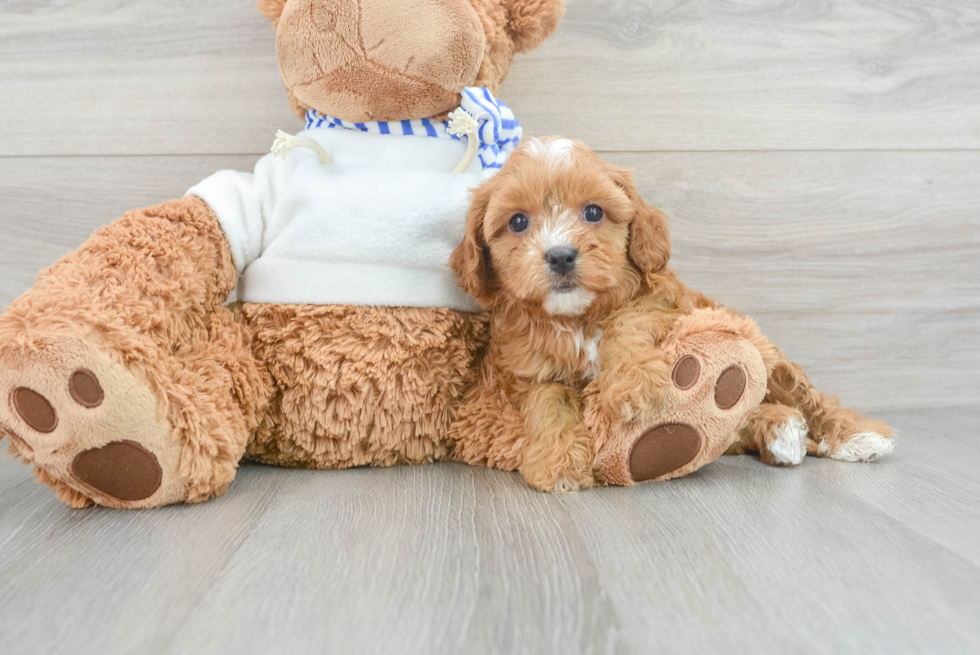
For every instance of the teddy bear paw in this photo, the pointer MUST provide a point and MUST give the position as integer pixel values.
(716, 380)
(90, 427)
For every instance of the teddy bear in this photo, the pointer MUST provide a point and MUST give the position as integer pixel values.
(130, 382)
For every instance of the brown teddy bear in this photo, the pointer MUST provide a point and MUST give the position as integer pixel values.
(129, 382)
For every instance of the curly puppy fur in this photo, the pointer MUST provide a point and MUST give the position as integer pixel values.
(544, 348)
(612, 318)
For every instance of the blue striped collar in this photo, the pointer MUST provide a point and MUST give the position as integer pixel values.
(499, 131)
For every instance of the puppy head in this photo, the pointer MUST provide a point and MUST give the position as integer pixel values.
(558, 230)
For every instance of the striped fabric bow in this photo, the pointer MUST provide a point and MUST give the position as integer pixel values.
(497, 128)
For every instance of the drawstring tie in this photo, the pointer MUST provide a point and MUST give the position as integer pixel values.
(463, 123)
(490, 128)
(285, 143)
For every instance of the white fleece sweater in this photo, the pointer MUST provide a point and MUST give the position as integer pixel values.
(375, 227)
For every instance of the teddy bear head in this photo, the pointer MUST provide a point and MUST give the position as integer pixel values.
(391, 60)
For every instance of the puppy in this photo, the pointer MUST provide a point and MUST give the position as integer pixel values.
(572, 264)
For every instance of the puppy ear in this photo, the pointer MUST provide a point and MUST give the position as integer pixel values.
(649, 235)
(272, 9)
(533, 21)
(471, 259)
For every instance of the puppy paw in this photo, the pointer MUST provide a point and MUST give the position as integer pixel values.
(555, 471)
(563, 482)
(634, 388)
(565, 486)
(860, 447)
(787, 443)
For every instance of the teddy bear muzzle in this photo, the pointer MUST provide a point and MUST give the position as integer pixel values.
(373, 60)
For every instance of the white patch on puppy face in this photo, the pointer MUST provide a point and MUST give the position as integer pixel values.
(568, 303)
(557, 231)
(556, 151)
(534, 146)
(560, 151)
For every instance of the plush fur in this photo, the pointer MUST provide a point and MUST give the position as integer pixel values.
(359, 386)
(142, 299)
(619, 331)
(200, 385)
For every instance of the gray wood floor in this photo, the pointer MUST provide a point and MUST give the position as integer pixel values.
(740, 557)
(821, 162)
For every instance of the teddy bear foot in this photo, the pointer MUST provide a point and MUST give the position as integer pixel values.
(90, 427)
(717, 378)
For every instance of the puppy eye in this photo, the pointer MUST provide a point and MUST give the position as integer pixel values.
(593, 213)
(518, 223)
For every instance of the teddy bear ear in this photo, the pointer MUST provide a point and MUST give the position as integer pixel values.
(533, 21)
(272, 9)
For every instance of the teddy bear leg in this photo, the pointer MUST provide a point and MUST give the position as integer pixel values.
(716, 365)
(122, 378)
(796, 419)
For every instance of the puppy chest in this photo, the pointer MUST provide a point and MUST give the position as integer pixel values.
(575, 356)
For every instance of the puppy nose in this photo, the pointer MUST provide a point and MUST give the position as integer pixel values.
(561, 260)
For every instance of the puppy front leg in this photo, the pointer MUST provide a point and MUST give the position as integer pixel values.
(558, 450)
(631, 385)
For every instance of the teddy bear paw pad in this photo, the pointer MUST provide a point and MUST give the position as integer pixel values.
(668, 447)
(121, 469)
(88, 423)
(730, 387)
(663, 449)
(35, 409)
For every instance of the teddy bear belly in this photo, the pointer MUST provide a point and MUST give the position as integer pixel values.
(359, 386)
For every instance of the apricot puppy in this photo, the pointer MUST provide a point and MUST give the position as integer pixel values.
(572, 265)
